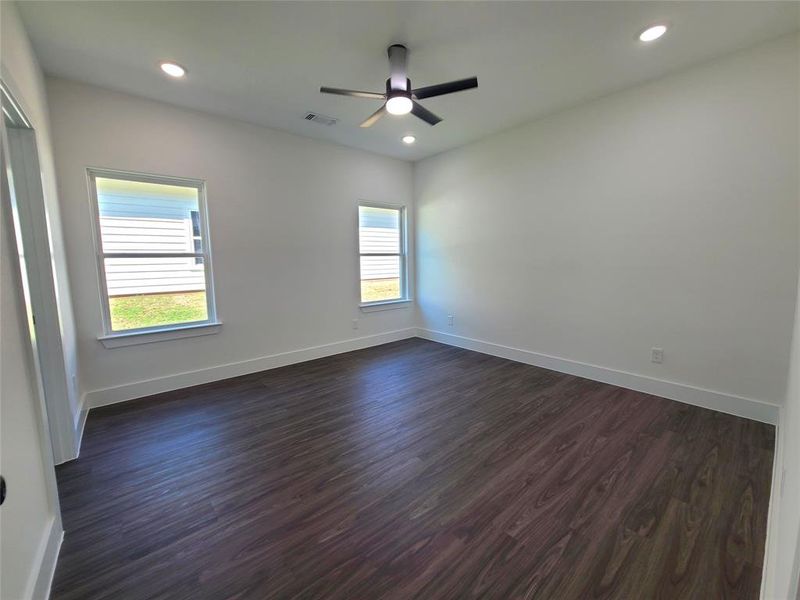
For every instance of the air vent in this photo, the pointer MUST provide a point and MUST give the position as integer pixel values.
(321, 119)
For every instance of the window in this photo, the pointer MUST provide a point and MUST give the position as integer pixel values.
(382, 249)
(153, 252)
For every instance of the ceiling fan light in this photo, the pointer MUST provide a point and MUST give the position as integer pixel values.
(399, 105)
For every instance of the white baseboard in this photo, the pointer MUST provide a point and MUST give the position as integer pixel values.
(770, 549)
(48, 557)
(79, 422)
(80, 426)
(148, 387)
(749, 408)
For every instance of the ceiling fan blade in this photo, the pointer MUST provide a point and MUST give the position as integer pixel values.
(353, 93)
(424, 114)
(398, 59)
(373, 118)
(440, 89)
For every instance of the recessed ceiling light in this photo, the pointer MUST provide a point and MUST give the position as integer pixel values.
(409, 139)
(653, 33)
(173, 69)
(399, 105)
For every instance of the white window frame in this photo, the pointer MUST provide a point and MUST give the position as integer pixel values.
(404, 298)
(111, 338)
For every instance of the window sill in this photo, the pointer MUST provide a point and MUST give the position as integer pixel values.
(388, 305)
(118, 340)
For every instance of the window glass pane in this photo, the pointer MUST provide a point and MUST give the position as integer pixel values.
(146, 217)
(378, 230)
(148, 292)
(196, 223)
(380, 278)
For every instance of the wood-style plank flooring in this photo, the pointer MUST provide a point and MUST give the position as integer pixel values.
(414, 470)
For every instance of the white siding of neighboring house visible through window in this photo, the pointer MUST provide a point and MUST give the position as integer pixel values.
(131, 223)
(380, 232)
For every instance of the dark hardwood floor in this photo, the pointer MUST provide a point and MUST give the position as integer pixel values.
(414, 470)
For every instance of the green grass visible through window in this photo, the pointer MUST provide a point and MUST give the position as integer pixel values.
(150, 310)
(374, 290)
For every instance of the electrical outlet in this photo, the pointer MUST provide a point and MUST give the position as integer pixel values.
(657, 355)
(450, 320)
(355, 323)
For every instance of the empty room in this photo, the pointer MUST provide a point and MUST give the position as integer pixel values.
(373, 300)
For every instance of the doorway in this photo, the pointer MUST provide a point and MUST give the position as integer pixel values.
(31, 227)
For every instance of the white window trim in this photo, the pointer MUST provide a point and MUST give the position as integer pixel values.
(174, 332)
(128, 337)
(368, 307)
(405, 300)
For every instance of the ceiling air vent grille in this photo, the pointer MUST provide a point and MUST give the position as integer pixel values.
(321, 119)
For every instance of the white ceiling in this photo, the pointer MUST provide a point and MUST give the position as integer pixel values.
(264, 62)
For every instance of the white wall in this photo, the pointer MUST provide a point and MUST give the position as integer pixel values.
(22, 74)
(283, 221)
(665, 215)
(29, 518)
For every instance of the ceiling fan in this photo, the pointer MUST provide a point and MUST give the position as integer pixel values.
(400, 98)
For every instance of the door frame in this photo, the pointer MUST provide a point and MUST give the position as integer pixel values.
(22, 185)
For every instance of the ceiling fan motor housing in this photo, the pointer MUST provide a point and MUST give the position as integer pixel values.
(390, 92)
